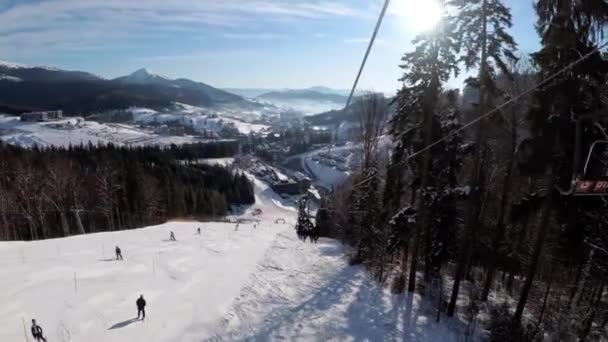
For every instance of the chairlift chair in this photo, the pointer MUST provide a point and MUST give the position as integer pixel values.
(583, 183)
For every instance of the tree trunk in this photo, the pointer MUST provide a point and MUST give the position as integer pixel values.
(79, 222)
(545, 213)
(500, 233)
(4, 220)
(422, 210)
(576, 284)
(589, 320)
(43, 227)
(545, 297)
(64, 223)
(580, 284)
(472, 215)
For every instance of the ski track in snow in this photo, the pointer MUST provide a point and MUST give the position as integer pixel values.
(226, 285)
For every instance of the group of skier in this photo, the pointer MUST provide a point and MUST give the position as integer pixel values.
(37, 331)
(38, 334)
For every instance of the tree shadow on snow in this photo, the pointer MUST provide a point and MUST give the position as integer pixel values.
(326, 249)
(123, 324)
(368, 313)
(339, 291)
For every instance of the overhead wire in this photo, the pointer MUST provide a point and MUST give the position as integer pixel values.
(369, 48)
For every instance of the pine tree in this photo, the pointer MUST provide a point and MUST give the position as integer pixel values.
(425, 70)
(482, 26)
(569, 29)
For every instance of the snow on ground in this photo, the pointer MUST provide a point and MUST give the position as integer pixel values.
(250, 284)
(77, 131)
(218, 161)
(200, 119)
(326, 176)
(305, 292)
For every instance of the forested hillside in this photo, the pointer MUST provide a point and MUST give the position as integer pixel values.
(53, 192)
(483, 220)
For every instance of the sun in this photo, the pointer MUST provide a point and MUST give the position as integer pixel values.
(419, 15)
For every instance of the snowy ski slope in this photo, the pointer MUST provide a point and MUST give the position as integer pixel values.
(249, 284)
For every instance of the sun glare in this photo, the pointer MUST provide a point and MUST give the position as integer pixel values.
(420, 15)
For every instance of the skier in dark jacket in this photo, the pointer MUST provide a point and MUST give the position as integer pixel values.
(37, 331)
(141, 307)
(172, 236)
(199, 230)
(118, 254)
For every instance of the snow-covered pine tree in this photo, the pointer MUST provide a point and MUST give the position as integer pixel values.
(482, 28)
(414, 126)
(569, 30)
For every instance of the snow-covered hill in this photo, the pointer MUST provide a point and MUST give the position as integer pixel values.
(200, 119)
(77, 131)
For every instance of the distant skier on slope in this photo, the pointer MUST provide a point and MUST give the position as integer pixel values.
(199, 230)
(172, 236)
(118, 253)
(37, 331)
(141, 307)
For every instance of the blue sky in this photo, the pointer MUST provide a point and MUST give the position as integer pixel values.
(225, 43)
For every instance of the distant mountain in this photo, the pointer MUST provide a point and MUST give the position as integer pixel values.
(249, 92)
(143, 76)
(326, 90)
(350, 114)
(77, 92)
(255, 92)
(181, 87)
(303, 95)
(12, 71)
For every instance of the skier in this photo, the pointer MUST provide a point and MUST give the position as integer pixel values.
(172, 236)
(37, 331)
(141, 305)
(236, 227)
(199, 230)
(118, 253)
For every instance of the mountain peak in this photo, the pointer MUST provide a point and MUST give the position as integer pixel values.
(142, 71)
(142, 76)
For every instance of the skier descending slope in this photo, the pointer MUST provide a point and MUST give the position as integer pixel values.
(118, 253)
(37, 331)
(172, 236)
(141, 307)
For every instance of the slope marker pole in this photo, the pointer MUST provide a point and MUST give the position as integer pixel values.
(24, 330)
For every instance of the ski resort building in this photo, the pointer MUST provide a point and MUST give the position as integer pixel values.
(42, 116)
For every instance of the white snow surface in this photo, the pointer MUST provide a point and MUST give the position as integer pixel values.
(250, 284)
(13, 65)
(200, 119)
(77, 131)
(10, 78)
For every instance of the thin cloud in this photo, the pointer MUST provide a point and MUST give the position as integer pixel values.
(195, 56)
(71, 21)
(254, 36)
(379, 42)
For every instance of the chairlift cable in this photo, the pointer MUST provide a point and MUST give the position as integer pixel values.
(493, 111)
(364, 61)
